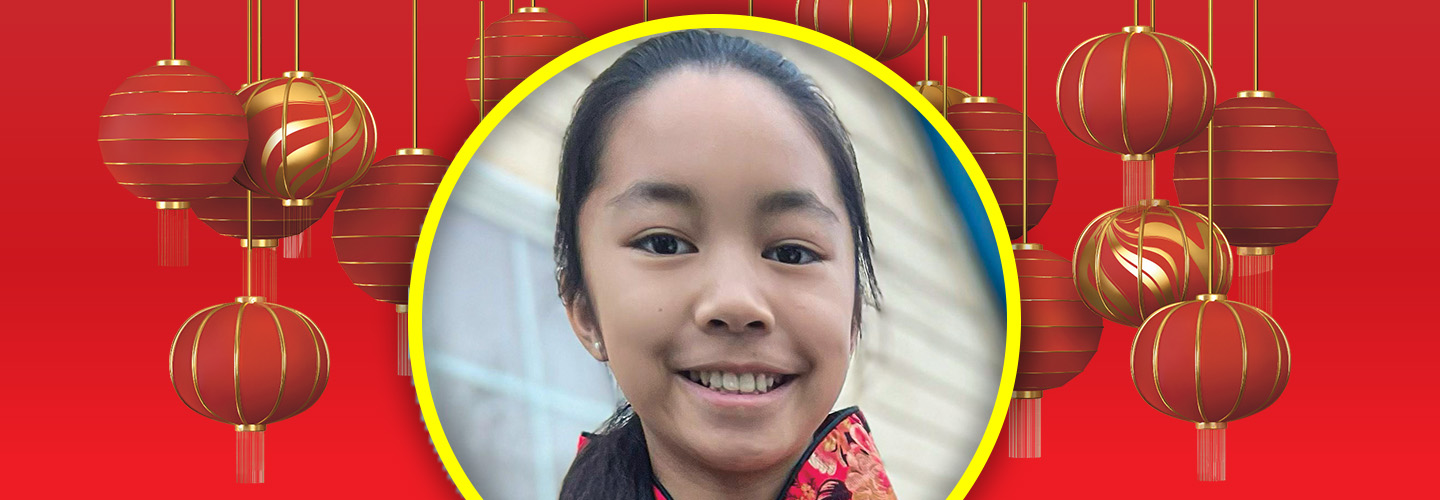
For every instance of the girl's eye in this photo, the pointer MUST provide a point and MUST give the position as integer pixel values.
(791, 254)
(664, 244)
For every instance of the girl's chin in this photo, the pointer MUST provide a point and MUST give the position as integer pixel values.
(747, 454)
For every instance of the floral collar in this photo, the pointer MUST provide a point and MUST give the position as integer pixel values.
(841, 463)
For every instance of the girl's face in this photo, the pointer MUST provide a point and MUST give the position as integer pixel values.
(720, 267)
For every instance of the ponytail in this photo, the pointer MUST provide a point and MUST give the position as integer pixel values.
(614, 464)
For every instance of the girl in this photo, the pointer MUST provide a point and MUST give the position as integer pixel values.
(712, 247)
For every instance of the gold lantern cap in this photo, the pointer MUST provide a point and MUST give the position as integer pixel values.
(1138, 29)
(259, 243)
(414, 151)
(250, 299)
(1255, 93)
(172, 205)
(1251, 251)
(250, 428)
(927, 83)
(402, 308)
(1137, 157)
(1209, 425)
(297, 202)
(532, 10)
(297, 74)
(172, 62)
(1027, 246)
(1026, 394)
(1210, 297)
(1155, 203)
(978, 98)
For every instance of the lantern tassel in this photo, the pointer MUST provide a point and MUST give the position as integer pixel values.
(295, 247)
(263, 272)
(1024, 425)
(250, 454)
(296, 215)
(173, 234)
(1210, 451)
(1257, 277)
(1138, 184)
(402, 330)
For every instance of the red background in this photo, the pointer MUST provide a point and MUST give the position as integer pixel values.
(90, 317)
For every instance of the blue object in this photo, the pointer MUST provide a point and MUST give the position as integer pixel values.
(967, 200)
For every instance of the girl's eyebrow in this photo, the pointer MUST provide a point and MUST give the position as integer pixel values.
(642, 192)
(779, 202)
(775, 203)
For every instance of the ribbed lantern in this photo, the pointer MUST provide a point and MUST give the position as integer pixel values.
(882, 29)
(1135, 93)
(511, 49)
(1275, 172)
(377, 225)
(172, 133)
(1132, 261)
(1058, 336)
(992, 131)
(310, 137)
(249, 364)
(226, 214)
(1210, 361)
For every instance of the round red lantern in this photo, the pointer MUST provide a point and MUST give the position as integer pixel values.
(377, 225)
(249, 363)
(1058, 336)
(1135, 93)
(1210, 361)
(511, 49)
(172, 133)
(882, 29)
(309, 138)
(1132, 261)
(993, 133)
(1275, 175)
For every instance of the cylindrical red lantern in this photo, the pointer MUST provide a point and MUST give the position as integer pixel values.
(511, 49)
(1058, 336)
(1132, 261)
(882, 29)
(993, 133)
(1275, 174)
(309, 138)
(249, 363)
(1210, 361)
(172, 133)
(377, 225)
(1135, 93)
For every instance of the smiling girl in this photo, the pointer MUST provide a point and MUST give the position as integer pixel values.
(712, 248)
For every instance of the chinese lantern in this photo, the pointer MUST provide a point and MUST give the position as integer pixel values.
(1135, 93)
(1275, 176)
(172, 133)
(992, 131)
(226, 213)
(883, 30)
(1132, 261)
(377, 225)
(511, 49)
(1058, 336)
(939, 94)
(1210, 361)
(249, 364)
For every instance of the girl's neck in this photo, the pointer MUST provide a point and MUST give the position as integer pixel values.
(685, 479)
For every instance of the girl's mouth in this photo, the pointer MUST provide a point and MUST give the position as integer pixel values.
(736, 383)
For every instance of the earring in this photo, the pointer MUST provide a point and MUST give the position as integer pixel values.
(601, 351)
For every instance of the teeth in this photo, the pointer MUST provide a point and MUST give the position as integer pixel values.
(741, 383)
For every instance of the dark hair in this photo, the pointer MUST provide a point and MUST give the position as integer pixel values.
(615, 463)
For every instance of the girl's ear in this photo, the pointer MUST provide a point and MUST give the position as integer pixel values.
(587, 328)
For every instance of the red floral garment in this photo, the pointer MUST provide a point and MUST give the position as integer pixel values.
(841, 463)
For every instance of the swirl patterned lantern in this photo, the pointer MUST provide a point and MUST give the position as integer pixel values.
(309, 137)
(260, 226)
(249, 364)
(1275, 176)
(1058, 336)
(883, 30)
(993, 131)
(377, 225)
(1132, 261)
(511, 49)
(1210, 361)
(1135, 93)
(172, 133)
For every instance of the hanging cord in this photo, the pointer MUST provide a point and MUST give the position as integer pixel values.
(927, 52)
(979, 43)
(1256, 55)
(945, 71)
(1210, 155)
(415, 71)
(297, 36)
(1024, 122)
(172, 29)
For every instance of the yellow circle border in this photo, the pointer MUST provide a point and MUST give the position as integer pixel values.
(711, 21)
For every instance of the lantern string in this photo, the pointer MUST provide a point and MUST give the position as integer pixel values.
(482, 59)
(945, 72)
(249, 40)
(927, 53)
(1152, 14)
(297, 35)
(750, 9)
(645, 11)
(415, 71)
(249, 239)
(1210, 155)
(1137, 13)
(1256, 56)
(259, 38)
(979, 52)
(172, 29)
(1025, 122)
(512, 6)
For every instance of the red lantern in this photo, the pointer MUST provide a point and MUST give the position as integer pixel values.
(940, 95)
(512, 49)
(226, 213)
(1058, 336)
(249, 364)
(377, 226)
(1132, 261)
(1135, 93)
(172, 133)
(310, 137)
(1275, 175)
(1210, 361)
(992, 131)
(883, 30)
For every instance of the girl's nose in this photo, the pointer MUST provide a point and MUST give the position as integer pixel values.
(733, 300)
